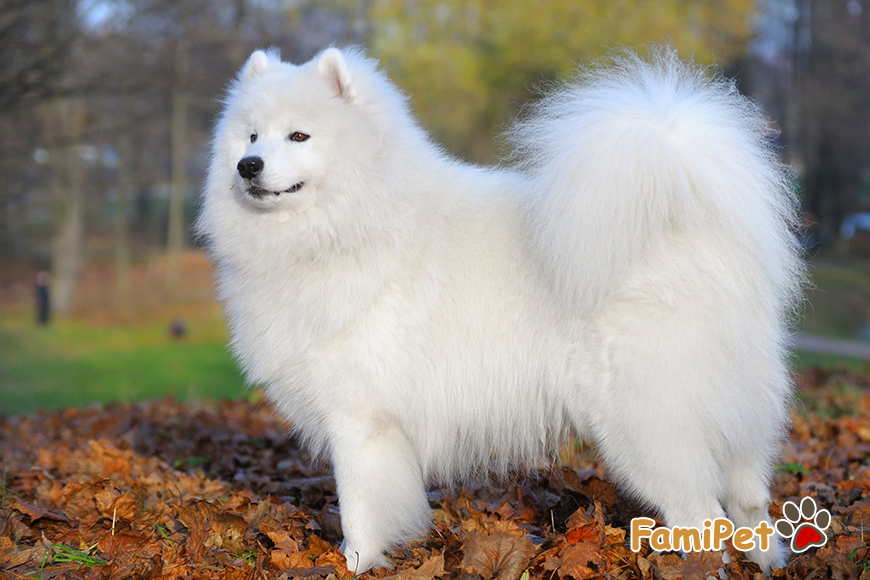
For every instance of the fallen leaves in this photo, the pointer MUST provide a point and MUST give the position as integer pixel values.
(431, 568)
(35, 514)
(580, 561)
(502, 553)
(166, 490)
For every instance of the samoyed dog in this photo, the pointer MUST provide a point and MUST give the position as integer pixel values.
(628, 277)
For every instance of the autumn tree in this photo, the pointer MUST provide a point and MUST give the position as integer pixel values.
(468, 65)
(832, 81)
(811, 67)
(37, 44)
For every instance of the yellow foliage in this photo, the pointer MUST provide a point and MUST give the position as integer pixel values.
(469, 64)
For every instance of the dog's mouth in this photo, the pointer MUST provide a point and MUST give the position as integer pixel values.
(259, 192)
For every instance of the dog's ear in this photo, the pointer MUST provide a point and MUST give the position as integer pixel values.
(333, 67)
(257, 63)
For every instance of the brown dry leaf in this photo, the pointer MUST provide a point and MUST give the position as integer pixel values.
(670, 565)
(240, 502)
(106, 459)
(617, 557)
(131, 556)
(839, 564)
(602, 491)
(105, 499)
(240, 572)
(316, 572)
(708, 562)
(642, 566)
(197, 518)
(549, 560)
(694, 571)
(858, 426)
(175, 564)
(45, 458)
(696, 566)
(859, 513)
(847, 544)
(503, 555)
(614, 536)
(587, 533)
(79, 503)
(317, 546)
(431, 568)
(283, 560)
(577, 558)
(599, 517)
(568, 478)
(579, 519)
(256, 516)
(210, 528)
(335, 560)
(35, 514)
(121, 545)
(18, 558)
(583, 528)
(227, 532)
(282, 541)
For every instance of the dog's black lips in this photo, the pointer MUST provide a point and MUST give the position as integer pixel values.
(260, 192)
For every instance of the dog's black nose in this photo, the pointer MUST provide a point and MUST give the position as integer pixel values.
(249, 167)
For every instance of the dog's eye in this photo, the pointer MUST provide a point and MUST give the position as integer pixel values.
(299, 137)
(253, 137)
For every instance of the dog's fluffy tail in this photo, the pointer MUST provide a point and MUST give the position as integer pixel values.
(628, 151)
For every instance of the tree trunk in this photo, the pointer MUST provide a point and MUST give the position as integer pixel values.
(122, 235)
(68, 180)
(176, 228)
(237, 45)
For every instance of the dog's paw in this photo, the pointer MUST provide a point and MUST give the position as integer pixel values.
(359, 561)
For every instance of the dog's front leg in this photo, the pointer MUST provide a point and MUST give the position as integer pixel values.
(381, 492)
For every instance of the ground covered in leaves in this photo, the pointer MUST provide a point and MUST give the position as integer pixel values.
(169, 490)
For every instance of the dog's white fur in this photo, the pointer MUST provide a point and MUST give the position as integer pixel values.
(629, 278)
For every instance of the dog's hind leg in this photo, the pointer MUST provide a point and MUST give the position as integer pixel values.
(746, 500)
(381, 492)
(654, 417)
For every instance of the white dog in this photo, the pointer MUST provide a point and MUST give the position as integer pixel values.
(416, 318)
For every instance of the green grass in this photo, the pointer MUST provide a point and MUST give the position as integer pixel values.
(864, 562)
(65, 554)
(248, 556)
(840, 302)
(71, 364)
(805, 360)
(792, 468)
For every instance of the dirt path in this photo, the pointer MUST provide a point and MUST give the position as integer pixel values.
(834, 346)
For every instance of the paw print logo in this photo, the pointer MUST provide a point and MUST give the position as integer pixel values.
(804, 534)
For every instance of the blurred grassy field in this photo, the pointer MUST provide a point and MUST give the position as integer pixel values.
(101, 355)
(72, 364)
(804, 360)
(106, 352)
(839, 305)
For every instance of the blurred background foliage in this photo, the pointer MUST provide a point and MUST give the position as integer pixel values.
(106, 108)
(487, 57)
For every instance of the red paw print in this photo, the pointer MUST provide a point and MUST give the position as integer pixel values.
(809, 533)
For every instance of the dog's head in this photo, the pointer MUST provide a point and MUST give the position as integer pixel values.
(318, 151)
(288, 129)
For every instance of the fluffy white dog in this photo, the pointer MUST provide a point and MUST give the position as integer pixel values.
(628, 278)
